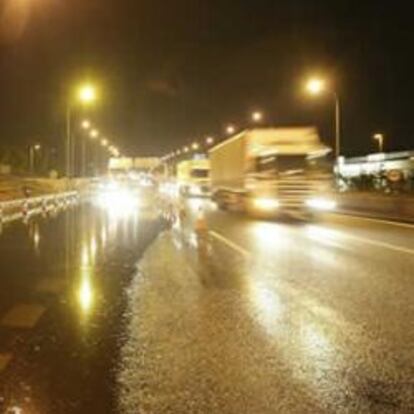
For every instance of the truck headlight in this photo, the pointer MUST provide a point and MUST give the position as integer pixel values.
(321, 204)
(266, 203)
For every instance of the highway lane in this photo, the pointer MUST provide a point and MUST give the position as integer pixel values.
(273, 317)
(63, 288)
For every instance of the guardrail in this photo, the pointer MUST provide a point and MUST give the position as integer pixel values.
(24, 207)
(393, 207)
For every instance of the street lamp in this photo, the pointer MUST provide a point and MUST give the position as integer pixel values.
(257, 116)
(209, 140)
(94, 134)
(86, 124)
(316, 86)
(186, 149)
(230, 129)
(32, 154)
(104, 142)
(86, 94)
(380, 139)
(195, 146)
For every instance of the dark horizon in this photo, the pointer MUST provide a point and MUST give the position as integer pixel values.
(170, 74)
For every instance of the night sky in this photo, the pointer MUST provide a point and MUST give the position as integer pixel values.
(173, 71)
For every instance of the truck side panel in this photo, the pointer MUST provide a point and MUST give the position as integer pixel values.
(228, 163)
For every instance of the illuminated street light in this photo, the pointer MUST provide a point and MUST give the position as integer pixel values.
(186, 149)
(94, 134)
(209, 140)
(257, 116)
(104, 142)
(86, 124)
(87, 93)
(230, 129)
(380, 139)
(316, 86)
(195, 146)
(178, 152)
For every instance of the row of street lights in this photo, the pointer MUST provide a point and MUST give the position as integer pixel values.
(256, 117)
(85, 95)
(314, 86)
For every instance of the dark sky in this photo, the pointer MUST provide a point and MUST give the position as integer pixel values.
(171, 71)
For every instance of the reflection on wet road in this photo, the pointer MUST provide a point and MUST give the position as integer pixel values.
(281, 317)
(250, 317)
(63, 282)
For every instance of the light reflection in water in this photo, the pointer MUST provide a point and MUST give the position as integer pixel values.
(267, 307)
(85, 294)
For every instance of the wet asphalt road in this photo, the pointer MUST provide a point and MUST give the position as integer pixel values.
(255, 317)
(63, 288)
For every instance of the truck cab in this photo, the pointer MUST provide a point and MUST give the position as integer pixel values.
(193, 178)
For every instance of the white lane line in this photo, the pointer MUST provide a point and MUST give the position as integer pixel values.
(384, 245)
(4, 361)
(378, 220)
(231, 244)
(23, 316)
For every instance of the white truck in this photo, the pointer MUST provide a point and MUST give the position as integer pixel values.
(270, 170)
(193, 178)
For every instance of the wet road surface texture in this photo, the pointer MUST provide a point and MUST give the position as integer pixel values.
(250, 317)
(63, 286)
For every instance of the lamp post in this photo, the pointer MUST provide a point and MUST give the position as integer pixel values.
(380, 139)
(86, 94)
(316, 86)
(32, 155)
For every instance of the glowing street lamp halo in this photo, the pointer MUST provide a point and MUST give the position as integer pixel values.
(104, 142)
(315, 85)
(195, 146)
(87, 93)
(231, 129)
(94, 134)
(86, 124)
(257, 116)
(209, 140)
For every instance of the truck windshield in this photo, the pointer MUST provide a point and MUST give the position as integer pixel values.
(200, 173)
(288, 163)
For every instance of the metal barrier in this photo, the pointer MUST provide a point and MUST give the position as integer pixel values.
(23, 207)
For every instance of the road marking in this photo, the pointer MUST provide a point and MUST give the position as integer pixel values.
(385, 245)
(378, 220)
(230, 244)
(23, 316)
(4, 361)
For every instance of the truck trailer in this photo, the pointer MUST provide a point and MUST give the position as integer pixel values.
(266, 171)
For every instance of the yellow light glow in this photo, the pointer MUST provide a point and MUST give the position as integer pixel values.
(87, 94)
(104, 142)
(257, 116)
(315, 86)
(85, 295)
(209, 140)
(231, 129)
(195, 146)
(186, 149)
(94, 134)
(266, 203)
(86, 124)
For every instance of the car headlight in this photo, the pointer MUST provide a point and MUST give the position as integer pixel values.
(321, 204)
(266, 203)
